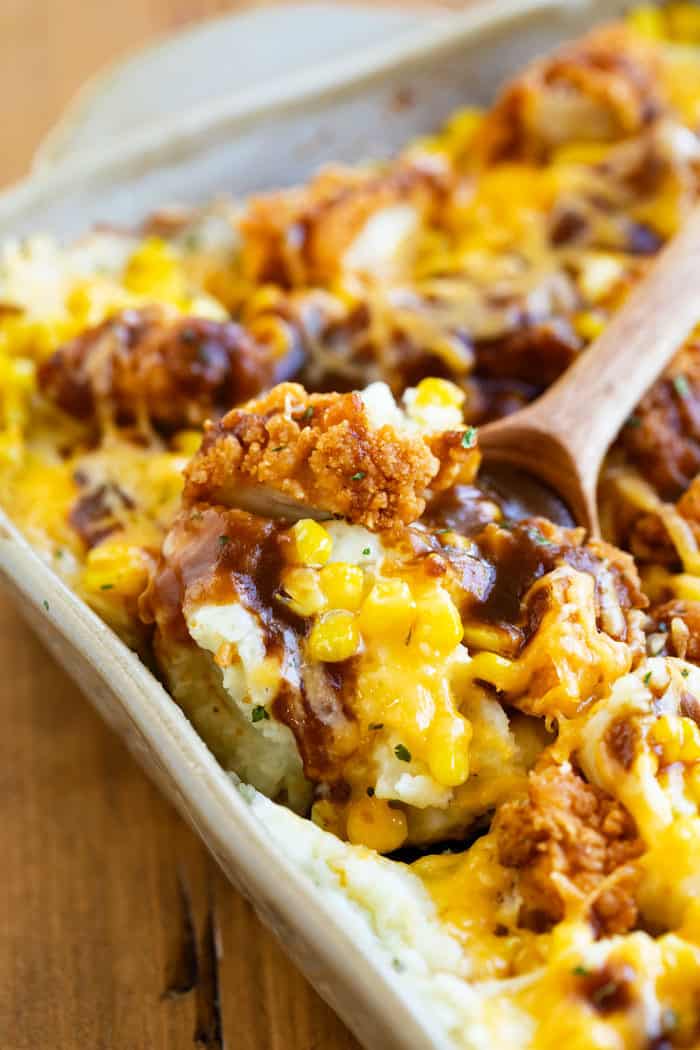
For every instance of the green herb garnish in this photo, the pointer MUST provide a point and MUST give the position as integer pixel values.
(223, 540)
(402, 753)
(358, 476)
(580, 971)
(681, 386)
(537, 537)
(376, 725)
(259, 714)
(366, 551)
(106, 586)
(647, 678)
(469, 437)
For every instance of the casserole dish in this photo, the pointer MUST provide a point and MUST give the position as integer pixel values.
(242, 149)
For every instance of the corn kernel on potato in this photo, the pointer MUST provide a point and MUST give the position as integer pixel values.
(344, 613)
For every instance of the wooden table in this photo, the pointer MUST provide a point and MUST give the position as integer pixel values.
(117, 931)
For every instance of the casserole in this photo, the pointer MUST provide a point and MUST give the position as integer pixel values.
(59, 605)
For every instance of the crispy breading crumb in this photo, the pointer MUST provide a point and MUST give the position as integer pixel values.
(570, 843)
(322, 451)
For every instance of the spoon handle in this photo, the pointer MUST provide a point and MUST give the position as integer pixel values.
(587, 406)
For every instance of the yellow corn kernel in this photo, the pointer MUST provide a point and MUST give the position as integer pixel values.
(302, 586)
(448, 750)
(464, 123)
(589, 324)
(438, 624)
(678, 738)
(187, 441)
(335, 637)
(438, 392)
(116, 567)
(372, 822)
(153, 270)
(388, 610)
(343, 585)
(312, 544)
(648, 20)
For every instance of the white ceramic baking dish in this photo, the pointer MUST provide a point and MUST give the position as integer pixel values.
(265, 138)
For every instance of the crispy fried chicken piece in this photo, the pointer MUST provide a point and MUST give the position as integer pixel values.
(299, 237)
(603, 87)
(663, 437)
(149, 365)
(570, 841)
(291, 453)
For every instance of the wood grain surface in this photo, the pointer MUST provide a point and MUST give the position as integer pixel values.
(117, 931)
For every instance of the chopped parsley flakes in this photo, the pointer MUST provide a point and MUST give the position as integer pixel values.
(469, 437)
(259, 714)
(402, 753)
(681, 386)
(359, 475)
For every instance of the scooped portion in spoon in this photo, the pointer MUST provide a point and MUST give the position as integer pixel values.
(358, 455)
(362, 657)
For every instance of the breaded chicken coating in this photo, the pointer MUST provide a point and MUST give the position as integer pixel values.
(662, 438)
(604, 87)
(570, 843)
(299, 237)
(149, 365)
(324, 454)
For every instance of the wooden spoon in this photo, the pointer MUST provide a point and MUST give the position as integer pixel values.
(562, 437)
